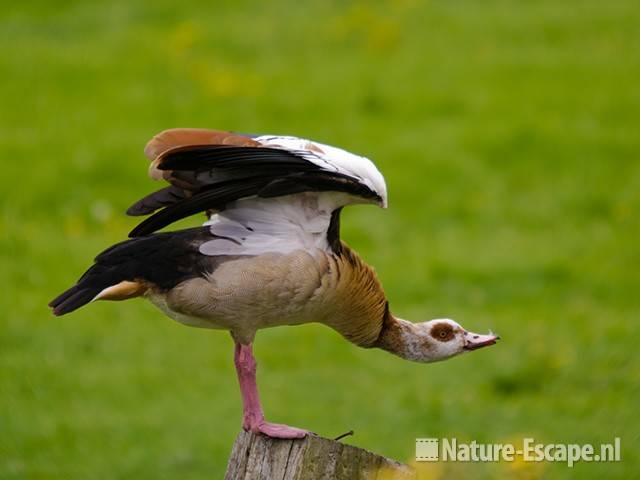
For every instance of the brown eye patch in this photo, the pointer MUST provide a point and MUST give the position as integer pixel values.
(442, 332)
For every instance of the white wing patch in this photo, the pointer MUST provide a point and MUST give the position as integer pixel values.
(332, 159)
(254, 226)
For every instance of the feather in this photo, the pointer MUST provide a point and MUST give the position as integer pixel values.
(233, 178)
(213, 198)
(180, 137)
(202, 157)
(128, 269)
(156, 200)
(122, 291)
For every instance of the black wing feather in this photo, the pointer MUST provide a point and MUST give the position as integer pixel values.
(204, 157)
(217, 175)
(162, 260)
(215, 197)
(156, 200)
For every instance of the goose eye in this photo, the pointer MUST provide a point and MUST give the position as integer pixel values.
(442, 332)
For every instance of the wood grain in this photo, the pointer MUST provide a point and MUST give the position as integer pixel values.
(257, 457)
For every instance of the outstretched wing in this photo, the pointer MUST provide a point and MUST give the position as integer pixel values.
(263, 193)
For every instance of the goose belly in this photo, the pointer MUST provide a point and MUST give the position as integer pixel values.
(247, 294)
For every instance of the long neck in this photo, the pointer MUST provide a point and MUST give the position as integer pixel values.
(404, 339)
(354, 303)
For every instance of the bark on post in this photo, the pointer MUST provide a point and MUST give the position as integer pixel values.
(257, 457)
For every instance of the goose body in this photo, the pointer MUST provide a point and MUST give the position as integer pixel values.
(244, 295)
(268, 255)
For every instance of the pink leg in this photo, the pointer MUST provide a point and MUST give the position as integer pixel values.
(253, 418)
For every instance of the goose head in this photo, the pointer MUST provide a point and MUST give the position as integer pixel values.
(431, 341)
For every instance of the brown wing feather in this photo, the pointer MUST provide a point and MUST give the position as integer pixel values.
(181, 137)
(208, 169)
(175, 139)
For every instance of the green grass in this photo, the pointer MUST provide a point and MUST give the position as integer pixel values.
(508, 134)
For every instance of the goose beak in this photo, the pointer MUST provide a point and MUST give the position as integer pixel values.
(473, 341)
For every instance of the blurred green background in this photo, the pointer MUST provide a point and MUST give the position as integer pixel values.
(509, 135)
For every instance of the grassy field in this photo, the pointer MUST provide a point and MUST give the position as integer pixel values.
(509, 136)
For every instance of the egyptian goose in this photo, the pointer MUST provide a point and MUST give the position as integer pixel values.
(270, 253)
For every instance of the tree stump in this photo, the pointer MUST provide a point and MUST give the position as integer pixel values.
(257, 457)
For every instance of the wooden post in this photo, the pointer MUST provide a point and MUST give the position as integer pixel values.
(257, 457)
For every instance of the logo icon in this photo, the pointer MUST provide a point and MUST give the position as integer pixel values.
(427, 449)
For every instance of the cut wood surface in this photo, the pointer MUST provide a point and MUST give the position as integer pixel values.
(257, 457)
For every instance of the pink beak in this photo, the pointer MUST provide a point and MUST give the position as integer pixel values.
(474, 341)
